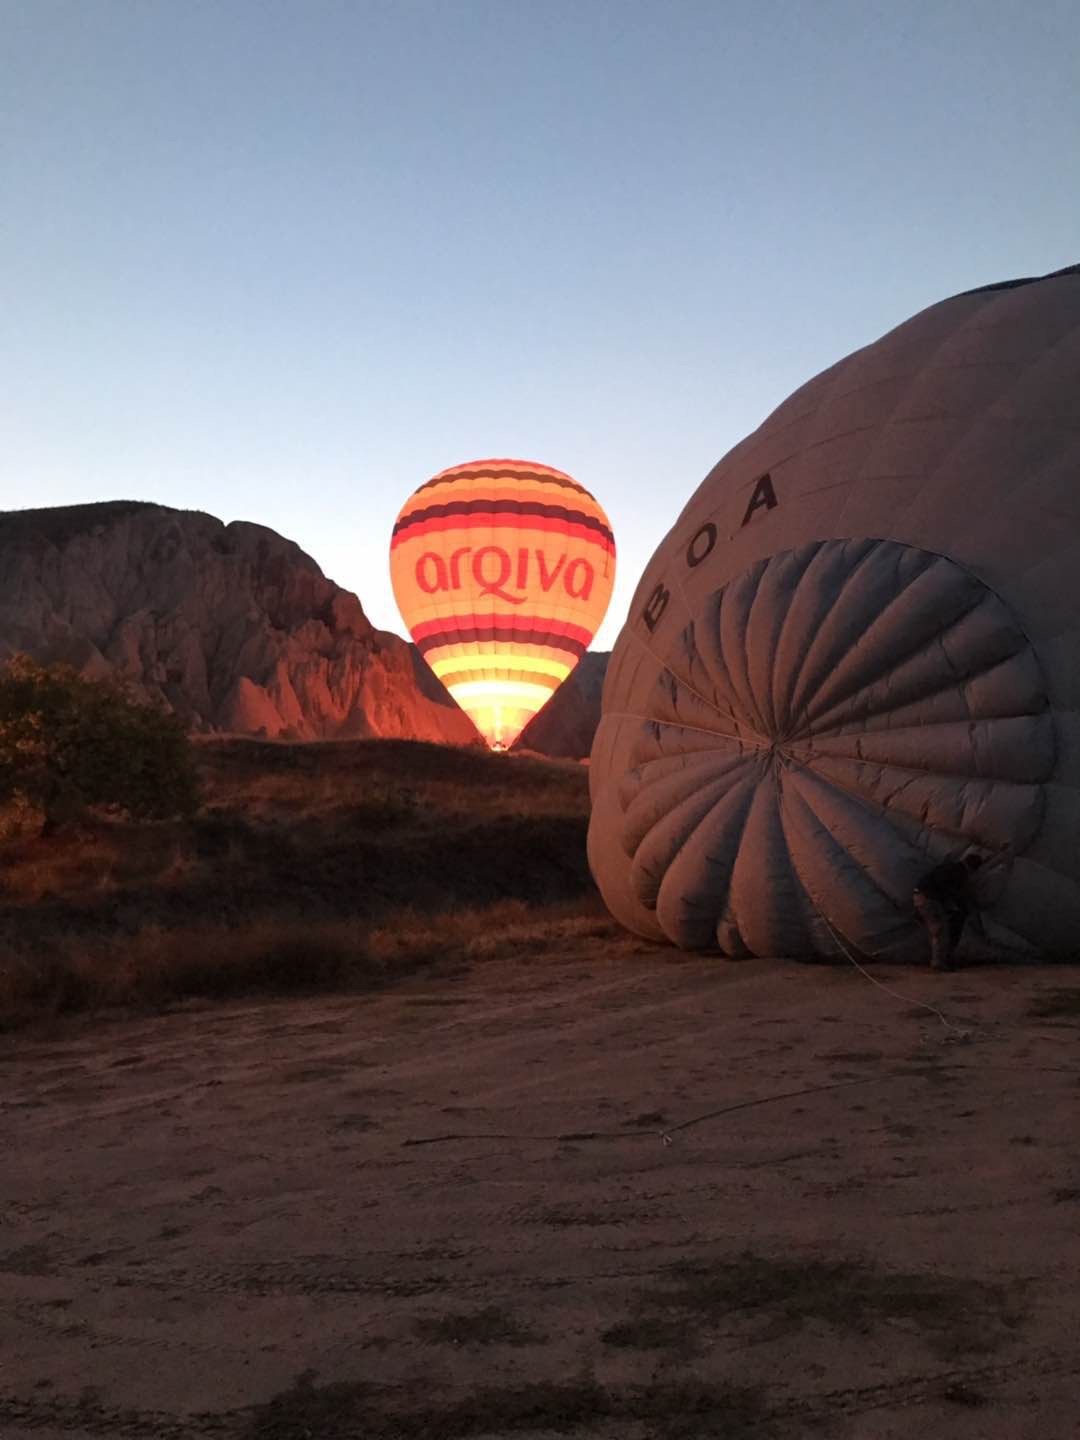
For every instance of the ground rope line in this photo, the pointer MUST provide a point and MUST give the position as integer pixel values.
(664, 1134)
(957, 1030)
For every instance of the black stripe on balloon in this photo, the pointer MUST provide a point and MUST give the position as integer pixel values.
(466, 633)
(504, 507)
(563, 481)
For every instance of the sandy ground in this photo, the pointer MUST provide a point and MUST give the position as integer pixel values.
(199, 1207)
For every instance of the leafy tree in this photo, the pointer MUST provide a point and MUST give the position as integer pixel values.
(67, 743)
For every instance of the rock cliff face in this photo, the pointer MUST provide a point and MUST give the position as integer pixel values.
(232, 626)
(565, 727)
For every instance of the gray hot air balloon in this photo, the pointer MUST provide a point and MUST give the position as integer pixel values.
(857, 653)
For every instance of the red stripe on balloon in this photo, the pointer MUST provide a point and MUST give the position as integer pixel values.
(456, 633)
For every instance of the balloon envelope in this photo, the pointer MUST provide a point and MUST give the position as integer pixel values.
(502, 570)
(855, 655)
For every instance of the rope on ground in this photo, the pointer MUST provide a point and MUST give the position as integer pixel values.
(957, 1032)
(665, 1135)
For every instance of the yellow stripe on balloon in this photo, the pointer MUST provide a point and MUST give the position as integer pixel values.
(506, 653)
(453, 663)
(495, 690)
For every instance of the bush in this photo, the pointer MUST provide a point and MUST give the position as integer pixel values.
(70, 974)
(67, 744)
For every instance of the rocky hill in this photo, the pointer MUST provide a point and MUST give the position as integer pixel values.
(565, 727)
(232, 626)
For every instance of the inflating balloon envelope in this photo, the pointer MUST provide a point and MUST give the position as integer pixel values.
(857, 653)
(502, 570)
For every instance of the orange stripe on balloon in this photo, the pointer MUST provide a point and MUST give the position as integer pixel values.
(532, 677)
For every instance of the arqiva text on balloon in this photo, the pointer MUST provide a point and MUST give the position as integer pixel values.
(496, 572)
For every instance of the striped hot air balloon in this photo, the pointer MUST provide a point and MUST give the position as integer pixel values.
(502, 570)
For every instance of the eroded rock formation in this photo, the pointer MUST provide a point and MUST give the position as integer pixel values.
(565, 727)
(232, 626)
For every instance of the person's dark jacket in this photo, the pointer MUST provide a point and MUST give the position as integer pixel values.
(948, 884)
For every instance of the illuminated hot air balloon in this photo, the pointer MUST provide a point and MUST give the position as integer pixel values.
(502, 570)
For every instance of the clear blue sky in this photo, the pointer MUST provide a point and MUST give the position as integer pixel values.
(282, 260)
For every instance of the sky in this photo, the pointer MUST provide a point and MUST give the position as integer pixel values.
(283, 260)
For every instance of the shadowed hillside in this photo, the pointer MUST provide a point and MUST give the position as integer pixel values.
(567, 724)
(308, 865)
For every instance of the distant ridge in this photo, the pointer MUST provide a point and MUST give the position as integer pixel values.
(58, 523)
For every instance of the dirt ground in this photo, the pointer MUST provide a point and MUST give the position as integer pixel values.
(877, 1235)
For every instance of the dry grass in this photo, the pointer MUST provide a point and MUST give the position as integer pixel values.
(496, 932)
(387, 781)
(156, 966)
(335, 866)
